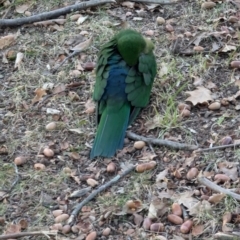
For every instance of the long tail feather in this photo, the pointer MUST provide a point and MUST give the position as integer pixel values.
(111, 132)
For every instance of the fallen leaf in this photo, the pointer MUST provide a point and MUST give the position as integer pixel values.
(74, 155)
(50, 22)
(216, 198)
(81, 19)
(75, 178)
(40, 92)
(186, 199)
(90, 106)
(18, 60)
(228, 48)
(59, 88)
(157, 208)
(13, 228)
(128, 4)
(162, 175)
(53, 111)
(197, 81)
(132, 206)
(200, 207)
(163, 69)
(230, 169)
(22, 8)
(83, 45)
(200, 95)
(77, 130)
(8, 40)
(211, 85)
(197, 230)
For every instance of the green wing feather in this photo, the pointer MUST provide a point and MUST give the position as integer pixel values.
(140, 80)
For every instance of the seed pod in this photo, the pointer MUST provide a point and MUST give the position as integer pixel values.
(186, 226)
(145, 166)
(176, 209)
(208, 5)
(175, 219)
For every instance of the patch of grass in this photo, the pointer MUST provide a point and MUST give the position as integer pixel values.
(137, 186)
(230, 204)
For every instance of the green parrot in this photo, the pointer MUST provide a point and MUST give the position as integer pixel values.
(125, 72)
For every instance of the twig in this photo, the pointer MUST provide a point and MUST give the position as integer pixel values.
(235, 4)
(217, 147)
(161, 142)
(16, 179)
(161, 2)
(96, 192)
(23, 234)
(66, 59)
(52, 14)
(40, 103)
(217, 188)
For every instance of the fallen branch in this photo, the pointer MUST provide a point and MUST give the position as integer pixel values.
(52, 14)
(24, 234)
(79, 206)
(217, 147)
(224, 236)
(161, 142)
(217, 188)
(161, 2)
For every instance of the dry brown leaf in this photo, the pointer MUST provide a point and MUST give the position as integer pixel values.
(147, 156)
(210, 85)
(175, 237)
(157, 208)
(128, 4)
(132, 206)
(197, 230)
(8, 40)
(162, 175)
(18, 60)
(90, 106)
(200, 207)
(237, 83)
(230, 169)
(81, 19)
(73, 96)
(74, 155)
(64, 145)
(228, 48)
(197, 81)
(22, 8)
(164, 68)
(13, 228)
(200, 95)
(83, 45)
(216, 198)
(50, 22)
(59, 88)
(76, 130)
(40, 92)
(56, 27)
(186, 199)
(75, 178)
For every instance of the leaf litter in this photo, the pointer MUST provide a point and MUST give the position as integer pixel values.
(145, 200)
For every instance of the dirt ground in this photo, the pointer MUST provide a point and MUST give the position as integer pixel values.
(47, 125)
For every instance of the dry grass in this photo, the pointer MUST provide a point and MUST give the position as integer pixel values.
(38, 192)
